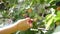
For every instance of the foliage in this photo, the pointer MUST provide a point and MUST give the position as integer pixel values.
(39, 10)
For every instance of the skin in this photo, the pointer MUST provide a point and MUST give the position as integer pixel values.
(21, 25)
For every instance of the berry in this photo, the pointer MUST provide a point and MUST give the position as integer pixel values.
(25, 15)
(58, 3)
(29, 10)
(40, 14)
(30, 21)
(58, 8)
(46, 7)
(44, 15)
(2, 6)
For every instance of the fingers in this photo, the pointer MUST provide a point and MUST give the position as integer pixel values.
(25, 24)
(31, 25)
(29, 22)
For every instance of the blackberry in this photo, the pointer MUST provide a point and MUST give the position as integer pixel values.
(44, 15)
(58, 3)
(46, 7)
(2, 6)
(40, 14)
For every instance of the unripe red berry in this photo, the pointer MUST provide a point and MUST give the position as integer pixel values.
(30, 21)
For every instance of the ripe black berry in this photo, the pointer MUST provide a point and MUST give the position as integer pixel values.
(46, 7)
(2, 6)
(58, 3)
(40, 14)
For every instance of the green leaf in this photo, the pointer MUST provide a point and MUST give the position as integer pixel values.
(47, 18)
(42, 1)
(49, 22)
(57, 19)
(58, 13)
(49, 1)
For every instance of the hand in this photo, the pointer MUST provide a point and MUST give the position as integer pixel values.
(24, 24)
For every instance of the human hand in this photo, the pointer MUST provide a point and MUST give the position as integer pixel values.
(24, 24)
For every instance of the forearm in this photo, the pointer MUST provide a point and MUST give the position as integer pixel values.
(21, 25)
(9, 29)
